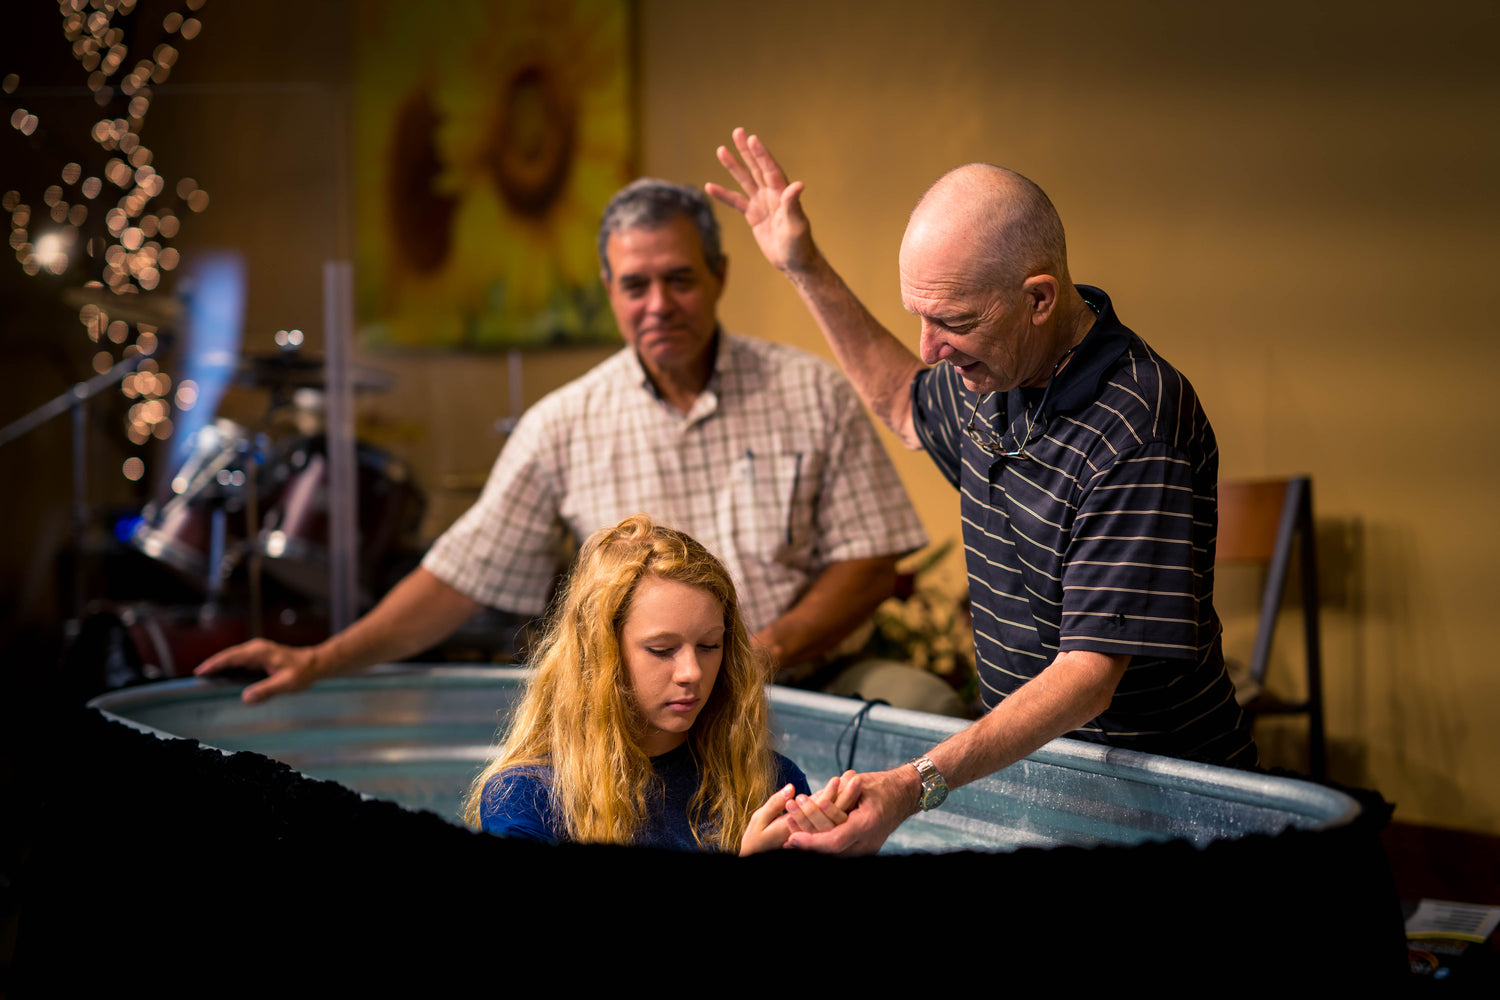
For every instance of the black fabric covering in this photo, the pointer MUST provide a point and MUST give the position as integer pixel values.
(162, 863)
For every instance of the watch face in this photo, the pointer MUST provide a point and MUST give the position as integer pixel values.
(934, 788)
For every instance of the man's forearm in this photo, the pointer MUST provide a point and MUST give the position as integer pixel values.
(880, 366)
(418, 613)
(1075, 687)
(1055, 702)
(843, 596)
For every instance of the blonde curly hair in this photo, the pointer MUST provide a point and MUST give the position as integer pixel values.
(579, 717)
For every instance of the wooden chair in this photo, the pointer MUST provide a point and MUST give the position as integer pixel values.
(1262, 521)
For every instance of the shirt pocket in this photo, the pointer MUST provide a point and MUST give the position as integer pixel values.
(768, 507)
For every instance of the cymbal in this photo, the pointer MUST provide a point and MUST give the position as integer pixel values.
(292, 370)
(156, 309)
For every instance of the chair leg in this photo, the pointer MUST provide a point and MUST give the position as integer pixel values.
(1312, 633)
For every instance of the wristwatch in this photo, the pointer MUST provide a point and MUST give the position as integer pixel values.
(934, 788)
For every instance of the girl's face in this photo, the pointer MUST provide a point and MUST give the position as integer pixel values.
(672, 641)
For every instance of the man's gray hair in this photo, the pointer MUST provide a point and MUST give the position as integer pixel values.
(649, 203)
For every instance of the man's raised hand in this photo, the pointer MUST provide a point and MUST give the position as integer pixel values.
(770, 205)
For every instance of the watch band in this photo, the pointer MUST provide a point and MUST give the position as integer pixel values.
(934, 788)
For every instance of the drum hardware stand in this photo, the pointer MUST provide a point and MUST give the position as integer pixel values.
(216, 520)
(221, 562)
(75, 399)
(253, 459)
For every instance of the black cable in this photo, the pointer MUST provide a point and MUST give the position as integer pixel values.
(855, 723)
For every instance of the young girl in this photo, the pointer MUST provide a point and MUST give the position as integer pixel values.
(646, 720)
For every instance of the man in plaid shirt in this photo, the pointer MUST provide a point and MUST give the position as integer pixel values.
(761, 452)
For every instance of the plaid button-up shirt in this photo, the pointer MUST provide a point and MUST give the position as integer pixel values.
(776, 470)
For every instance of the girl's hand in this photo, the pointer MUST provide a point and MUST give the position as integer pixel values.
(786, 812)
(768, 827)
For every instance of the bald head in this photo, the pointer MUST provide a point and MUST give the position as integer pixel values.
(985, 268)
(999, 221)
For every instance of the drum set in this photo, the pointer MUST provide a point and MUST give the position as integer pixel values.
(240, 499)
(245, 521)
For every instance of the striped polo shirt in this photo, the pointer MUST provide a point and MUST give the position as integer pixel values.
(1101, 537)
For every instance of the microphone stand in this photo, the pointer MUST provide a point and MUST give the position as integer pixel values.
(75, 399)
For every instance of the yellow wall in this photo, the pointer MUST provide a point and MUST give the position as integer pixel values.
(1294, 203)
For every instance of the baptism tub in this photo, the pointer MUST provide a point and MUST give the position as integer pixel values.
(1079, 864)
(417, 735)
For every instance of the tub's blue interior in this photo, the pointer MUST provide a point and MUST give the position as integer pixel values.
(419, 735)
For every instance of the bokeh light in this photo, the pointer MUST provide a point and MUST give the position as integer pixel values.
(130, 247)
(50, 251)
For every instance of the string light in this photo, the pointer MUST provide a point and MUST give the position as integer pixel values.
(129, 247)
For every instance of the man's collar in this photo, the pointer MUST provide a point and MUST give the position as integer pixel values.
(1080, 381)
(721, 348)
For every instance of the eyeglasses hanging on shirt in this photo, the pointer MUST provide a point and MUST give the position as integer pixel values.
(992, 444)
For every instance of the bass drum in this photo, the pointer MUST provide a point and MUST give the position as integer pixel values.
(295, 531)
(177, 527)
(123, 644)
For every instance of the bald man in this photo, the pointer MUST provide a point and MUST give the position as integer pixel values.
(1087, 476)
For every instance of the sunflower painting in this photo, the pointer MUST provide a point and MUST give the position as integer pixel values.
(488, 138)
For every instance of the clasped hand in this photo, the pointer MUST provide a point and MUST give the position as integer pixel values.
(867, 808)
(786, 813)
